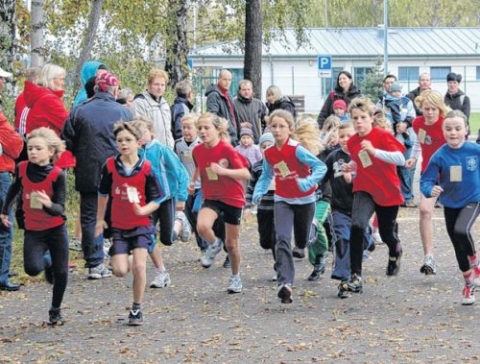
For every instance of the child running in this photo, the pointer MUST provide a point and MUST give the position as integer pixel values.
(131, 184)
(297, 172)
(375, 154)
(43, 189)
(453, 176)
(222, 170)
(428, 129)
(172, 178)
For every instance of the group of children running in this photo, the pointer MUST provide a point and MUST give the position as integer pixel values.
(306, 177)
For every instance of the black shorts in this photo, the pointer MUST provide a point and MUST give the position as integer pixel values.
(124, 241)
(231, 215)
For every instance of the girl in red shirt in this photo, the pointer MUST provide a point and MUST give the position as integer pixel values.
(221, 169)
(43, 189)
(375, 154)
(429, 138)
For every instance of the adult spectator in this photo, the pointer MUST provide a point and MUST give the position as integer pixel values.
(44, 100)
(152, 104)
(88, 133)
(344, 90)
(424, 83)
(21, 108)
(11, 145)
(250, 111)
(277, 101)
(89, 71)
(220, 102)
(182, 105)
(400, 112)
(456, 98)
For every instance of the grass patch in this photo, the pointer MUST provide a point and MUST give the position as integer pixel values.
(474, 123)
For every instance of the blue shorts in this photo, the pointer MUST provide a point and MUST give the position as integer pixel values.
(124, 241)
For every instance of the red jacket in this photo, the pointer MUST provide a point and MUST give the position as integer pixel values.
(12, 144)
(47, 109)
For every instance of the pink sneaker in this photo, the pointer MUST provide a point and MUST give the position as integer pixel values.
(468, 295)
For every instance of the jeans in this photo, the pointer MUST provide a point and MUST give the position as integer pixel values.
(406, 176)
(6, 234)
(92, 246)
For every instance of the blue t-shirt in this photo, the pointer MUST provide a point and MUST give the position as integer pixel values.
(457, 172)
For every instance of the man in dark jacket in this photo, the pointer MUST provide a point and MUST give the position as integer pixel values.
(181, 106)
(88, 133)
(219, 102)
(424, 83)
(250, 111)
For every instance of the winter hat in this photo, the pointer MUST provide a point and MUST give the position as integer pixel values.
(454, 77)
(4, 74)
(267, 137)
(104, 80)
(246, 131)
(340, 104)
(396, 87)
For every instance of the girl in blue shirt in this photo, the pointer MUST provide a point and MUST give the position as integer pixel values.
(455, 167)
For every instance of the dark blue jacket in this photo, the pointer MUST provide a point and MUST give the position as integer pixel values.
(88, 133)
(180, 108)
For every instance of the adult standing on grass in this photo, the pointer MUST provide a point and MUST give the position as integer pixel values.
(88, 133)
(424, 83)
(11, 145)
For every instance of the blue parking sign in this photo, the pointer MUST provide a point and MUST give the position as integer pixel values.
(325, 66)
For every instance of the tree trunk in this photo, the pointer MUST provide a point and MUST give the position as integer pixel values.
(253, 45)
(88, 41)
(37, 33)
(7, 33)
(176, 64)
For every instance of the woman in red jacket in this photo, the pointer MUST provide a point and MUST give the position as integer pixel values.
(46, 106)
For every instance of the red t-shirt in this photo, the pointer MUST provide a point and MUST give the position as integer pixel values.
(430, 137)
(380, 179)
(215, 187)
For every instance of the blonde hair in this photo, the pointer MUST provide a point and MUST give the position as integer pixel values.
(435, 98)
(224, 133)
(275, 92)
(48, 73)
(51, 138)
(362, 103)
(329, 130)
(191, 118)
(308, 135)
(457, 114)
(380, 120)
(156, 72)
(285, 115)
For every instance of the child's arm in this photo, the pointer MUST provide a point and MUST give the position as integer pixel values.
(181, 175)
(428, 180)
(104, 190)
(239, 173)
(394, 157)
(153, 196)
(56, 205)
(318, 169)
(191, 185)
(263, 182)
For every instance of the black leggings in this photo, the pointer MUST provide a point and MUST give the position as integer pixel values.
(35, 245)
(459, 223)
(362, 211)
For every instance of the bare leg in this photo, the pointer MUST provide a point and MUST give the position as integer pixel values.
(206, 219)
(139, 270)
(427, 205)
(231, 243)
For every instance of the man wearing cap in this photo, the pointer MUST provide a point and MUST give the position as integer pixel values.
(11, 145)
(456, 98)
(88, 133)
(250, 111)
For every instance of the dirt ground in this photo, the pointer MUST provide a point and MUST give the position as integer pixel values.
(410, 318)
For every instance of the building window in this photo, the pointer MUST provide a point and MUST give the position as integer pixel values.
(408, 73)
(439, 73)
(360, 74)
(478, 73)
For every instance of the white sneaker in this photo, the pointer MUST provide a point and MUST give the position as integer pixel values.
(75, 244)
(99, 272)
(107, 244)
(186, 229)
(468, 295)
(208, 256)
(161, 280)
(429, 267)
(235, 284)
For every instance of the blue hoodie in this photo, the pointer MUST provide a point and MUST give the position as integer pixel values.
(89, 70)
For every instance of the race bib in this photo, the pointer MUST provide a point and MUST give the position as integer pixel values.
(212, 176)
(283, 168)
(455, 173)
(132, 194)
(34, 201)
(365, 159)
(422, 134)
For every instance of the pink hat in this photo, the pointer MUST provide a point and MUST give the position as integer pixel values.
(105, 79)
(340, 104)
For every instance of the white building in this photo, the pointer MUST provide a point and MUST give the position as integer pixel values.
(411, 51)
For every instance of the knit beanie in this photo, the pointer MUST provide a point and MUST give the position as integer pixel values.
(396, 87)
(267, 137)
(340, 104)
(246, 131)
